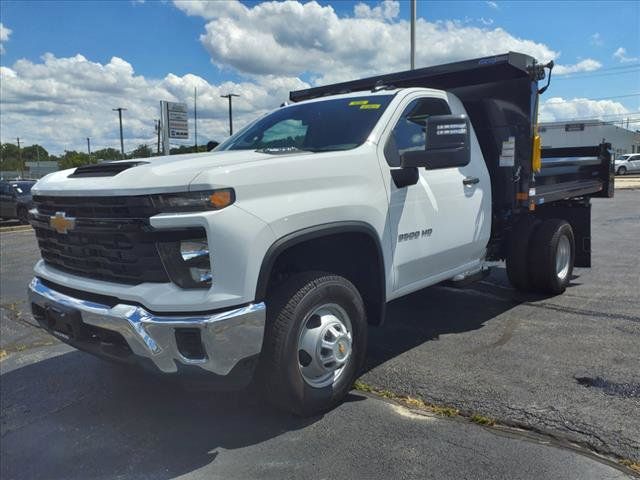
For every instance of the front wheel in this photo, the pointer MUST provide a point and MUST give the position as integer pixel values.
(622, 171)
(315, 342)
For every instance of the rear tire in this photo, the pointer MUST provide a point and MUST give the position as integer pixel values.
(305, 315)
(552, 256)
(518, 253)
(622, 171)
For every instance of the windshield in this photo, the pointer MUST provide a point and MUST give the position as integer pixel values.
(326, 125)
(22, 188)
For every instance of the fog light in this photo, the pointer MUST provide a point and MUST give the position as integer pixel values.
(188, 262)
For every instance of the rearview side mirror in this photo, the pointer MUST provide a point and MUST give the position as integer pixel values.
(447, 144)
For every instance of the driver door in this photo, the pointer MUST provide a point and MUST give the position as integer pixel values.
(437, 225)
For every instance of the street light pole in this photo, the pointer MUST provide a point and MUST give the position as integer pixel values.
(195, 115)
(119, 110)
(229, 95)
(413, 34)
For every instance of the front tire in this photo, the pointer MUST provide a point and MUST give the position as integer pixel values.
(315, 342)
(552, 256)
(622, 171)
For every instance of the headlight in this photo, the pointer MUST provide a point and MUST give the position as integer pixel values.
(194, 201)
(187, 262)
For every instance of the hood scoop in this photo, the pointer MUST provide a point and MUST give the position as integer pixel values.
(106, 169)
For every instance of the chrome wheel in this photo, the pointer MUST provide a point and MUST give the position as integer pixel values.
(563, 257)
(324, 345)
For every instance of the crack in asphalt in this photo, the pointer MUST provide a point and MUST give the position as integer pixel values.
(580, 311)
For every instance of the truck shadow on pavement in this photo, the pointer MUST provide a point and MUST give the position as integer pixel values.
(439, 310)
(72, 416)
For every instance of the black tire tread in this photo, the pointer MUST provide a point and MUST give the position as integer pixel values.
(518, 253)
(542, 256)
(280, 313)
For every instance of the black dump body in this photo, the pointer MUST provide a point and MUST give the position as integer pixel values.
(500, 94)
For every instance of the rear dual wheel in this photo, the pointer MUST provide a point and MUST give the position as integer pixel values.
(541, 254)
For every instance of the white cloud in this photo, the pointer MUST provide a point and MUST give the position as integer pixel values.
(388, 10)
(5, 33)
(621, 55)
(58, 102)
(493, 5)
(596, 40)
(291, 38)
(586, 65)
(557, 108)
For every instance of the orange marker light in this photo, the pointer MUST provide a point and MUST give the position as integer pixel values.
(221, 199)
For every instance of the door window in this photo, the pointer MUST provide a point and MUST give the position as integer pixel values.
(409, 133)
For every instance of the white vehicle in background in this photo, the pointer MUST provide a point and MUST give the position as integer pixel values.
(276, 252)
(627, 163)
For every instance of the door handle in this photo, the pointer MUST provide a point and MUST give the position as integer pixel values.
(471, 180)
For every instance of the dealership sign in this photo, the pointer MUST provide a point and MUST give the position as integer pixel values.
(177, 120)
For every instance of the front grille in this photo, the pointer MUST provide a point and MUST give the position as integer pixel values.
(112, 239)
(140, 206)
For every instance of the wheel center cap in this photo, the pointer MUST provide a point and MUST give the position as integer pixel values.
(342, 348)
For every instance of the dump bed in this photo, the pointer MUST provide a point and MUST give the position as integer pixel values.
(500, 94)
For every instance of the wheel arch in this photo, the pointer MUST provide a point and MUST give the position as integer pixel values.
(338, 238)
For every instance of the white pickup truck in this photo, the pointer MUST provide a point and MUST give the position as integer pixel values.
(270, 256)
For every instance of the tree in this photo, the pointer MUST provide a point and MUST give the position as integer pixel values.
(187, 149)
(143, 151)
(34, 153)
(107, 154)
(71, 159)
(9, 158)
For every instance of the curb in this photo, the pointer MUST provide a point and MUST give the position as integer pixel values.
(18, 228)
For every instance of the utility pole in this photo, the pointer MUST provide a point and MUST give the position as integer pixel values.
(119, 110)
(229, 95)
(89, 146)
(195, 114)
(158, 133)
(20, 159)
(413, 34)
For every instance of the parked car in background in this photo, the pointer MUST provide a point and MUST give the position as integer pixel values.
(627, 163)
(15, 199)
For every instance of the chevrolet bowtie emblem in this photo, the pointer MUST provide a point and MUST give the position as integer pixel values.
(61, 223)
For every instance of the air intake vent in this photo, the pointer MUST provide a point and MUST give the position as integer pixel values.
(107, 169)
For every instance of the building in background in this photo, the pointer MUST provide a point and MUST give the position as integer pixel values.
(586, 133)
(40, 169)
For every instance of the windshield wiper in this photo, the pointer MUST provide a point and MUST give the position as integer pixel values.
(280, 150)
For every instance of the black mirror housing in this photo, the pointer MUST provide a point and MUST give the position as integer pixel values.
(447, 144)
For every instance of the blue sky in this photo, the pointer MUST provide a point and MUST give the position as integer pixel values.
(158, 38)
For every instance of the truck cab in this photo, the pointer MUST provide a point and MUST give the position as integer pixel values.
(269, 258)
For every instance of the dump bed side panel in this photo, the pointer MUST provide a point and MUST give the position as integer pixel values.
(574, 172)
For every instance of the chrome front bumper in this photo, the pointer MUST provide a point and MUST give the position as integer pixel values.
(227, 337)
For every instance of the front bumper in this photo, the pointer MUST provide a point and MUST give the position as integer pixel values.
(214, 342)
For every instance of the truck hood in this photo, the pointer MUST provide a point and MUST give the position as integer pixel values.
(165, 174)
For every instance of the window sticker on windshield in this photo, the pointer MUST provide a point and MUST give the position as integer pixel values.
(370, 106)
(358, 102)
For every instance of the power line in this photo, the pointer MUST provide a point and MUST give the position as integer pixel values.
(579, 77)
(591, 99)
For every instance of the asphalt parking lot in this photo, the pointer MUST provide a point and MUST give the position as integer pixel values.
(567, 367)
